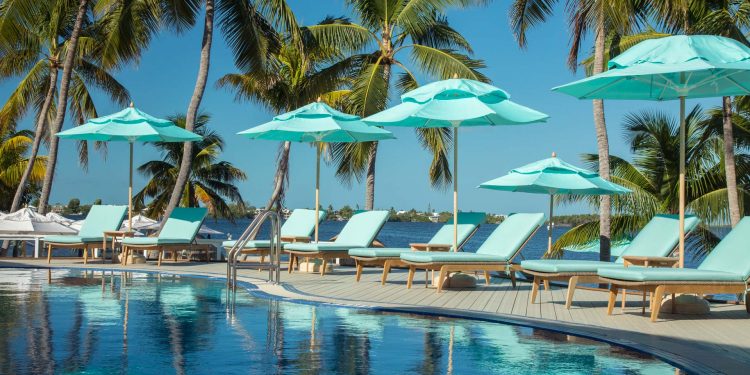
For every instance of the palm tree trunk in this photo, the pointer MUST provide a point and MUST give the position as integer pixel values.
(605, 208)
(192, 111)
(38, 135)
(279, 181)
(370, 181)
(729, 165)
(62, 100)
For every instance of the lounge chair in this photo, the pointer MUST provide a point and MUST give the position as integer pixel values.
(658, 238)
(100, 219)
(178, 233)
(725, 270)
(297, 228)
(496, 253)
(387, 257)
(359, 231)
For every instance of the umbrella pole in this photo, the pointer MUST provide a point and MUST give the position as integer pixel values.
(549, 227)
(130, 191)
(682, 182)
(317, 187)
(455, 187)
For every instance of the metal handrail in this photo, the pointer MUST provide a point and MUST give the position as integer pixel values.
(274, 265)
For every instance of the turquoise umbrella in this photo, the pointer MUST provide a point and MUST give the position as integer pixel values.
(554, 176)
(317, 123)
(670, 68)
(454, 103)
(129, 125)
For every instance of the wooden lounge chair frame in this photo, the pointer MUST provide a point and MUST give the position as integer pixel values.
(86, 246)
(446, 268)
(574, 278)
(324, 256)
(388, 263)
(161, 249)
(660, 288)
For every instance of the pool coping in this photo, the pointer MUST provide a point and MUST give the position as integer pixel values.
(264, 289)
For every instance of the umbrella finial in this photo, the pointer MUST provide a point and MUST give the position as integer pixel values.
(131, 105)
(554, 154)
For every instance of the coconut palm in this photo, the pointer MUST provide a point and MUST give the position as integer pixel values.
(36, 56)
(653, 175)
(248, 28)
(728, 18)
(584, 15)
(14, 146)
(211, 182)
(293, 77)
(391, 32)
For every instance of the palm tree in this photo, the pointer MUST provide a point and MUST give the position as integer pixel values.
(653, 176)
(211, 182)
(584, 15)
(728, 18)
(62, 100)
(36, 56)
(14, 146)
(293, 77)
(379, 46)
(248, 28)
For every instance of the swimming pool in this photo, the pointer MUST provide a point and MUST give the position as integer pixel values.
(94, 322)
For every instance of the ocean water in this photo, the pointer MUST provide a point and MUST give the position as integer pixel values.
(93, 322)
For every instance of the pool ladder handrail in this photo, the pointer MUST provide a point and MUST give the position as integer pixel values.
(274, 264)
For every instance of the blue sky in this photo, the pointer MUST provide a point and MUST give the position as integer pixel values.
(163, 82)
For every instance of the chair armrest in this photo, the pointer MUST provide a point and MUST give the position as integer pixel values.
(304, 239)
(429, 247)
(648, 261)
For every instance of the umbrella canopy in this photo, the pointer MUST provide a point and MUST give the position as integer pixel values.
(675, 67)
(553, 176)
(317, 123)
(455, 103)
(130, 125)
(26, 221)
(54, 216)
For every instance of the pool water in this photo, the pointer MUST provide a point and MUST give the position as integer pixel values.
(93, 322)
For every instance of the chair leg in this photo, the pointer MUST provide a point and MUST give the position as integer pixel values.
(291, 263)
(386, 271)
(674, 304)
(159, 255)
(441, 278)
(534, 289)
(85, 254)
(612, 299)
(323, 266)
(49, 254)
(486, 277)
(513, 278)
(656, 302)
(410, 278)
(571, 290)
(643, 305)
(359, 270)
(624, 298)
(546, 285)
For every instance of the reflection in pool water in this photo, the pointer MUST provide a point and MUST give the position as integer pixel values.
(66, 321)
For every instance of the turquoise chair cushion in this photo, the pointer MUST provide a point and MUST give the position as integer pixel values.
(668, 274)
(254, 244)
(732, 254)
(102, 219)
(362, 228)
(146, 241)
(564, 265)
(319, 247)
(301, 223)
(72, 239)
(452, 257)
(379, 252)
(467, 224)
(183, 224)
(508, 238)
(659, 237)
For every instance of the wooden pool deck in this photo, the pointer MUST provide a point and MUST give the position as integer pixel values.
(716, 343)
